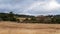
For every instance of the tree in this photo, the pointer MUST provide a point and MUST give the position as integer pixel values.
(11, 16)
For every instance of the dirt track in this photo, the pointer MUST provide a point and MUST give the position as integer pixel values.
(17, 28)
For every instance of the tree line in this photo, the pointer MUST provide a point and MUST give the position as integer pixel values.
(50, 19)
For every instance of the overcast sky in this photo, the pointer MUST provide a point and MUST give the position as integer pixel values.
(31, 7)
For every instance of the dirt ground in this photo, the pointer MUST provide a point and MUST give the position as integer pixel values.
(20, 28)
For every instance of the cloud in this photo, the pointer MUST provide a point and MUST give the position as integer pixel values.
(52, 5)
(31, 7)
(43, 7)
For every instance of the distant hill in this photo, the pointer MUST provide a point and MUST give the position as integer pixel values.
(50, 19)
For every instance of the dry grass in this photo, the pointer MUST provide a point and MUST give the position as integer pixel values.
(20, 28)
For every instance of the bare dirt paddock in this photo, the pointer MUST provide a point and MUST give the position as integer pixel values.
(19, 28)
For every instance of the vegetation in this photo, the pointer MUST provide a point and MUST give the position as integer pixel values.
(50, 19)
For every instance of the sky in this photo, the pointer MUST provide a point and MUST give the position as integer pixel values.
(31, 7)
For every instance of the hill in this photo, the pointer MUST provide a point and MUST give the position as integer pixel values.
(49, 19)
